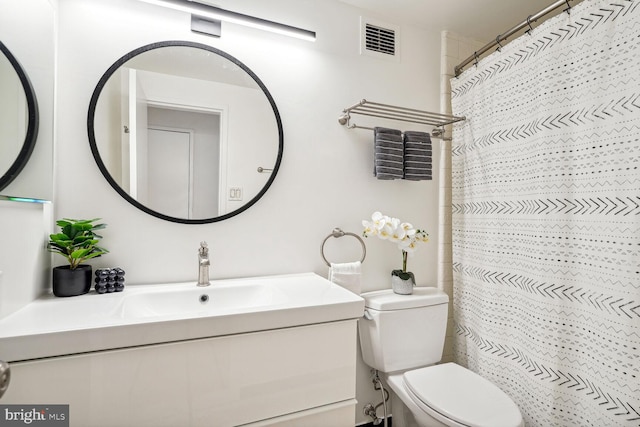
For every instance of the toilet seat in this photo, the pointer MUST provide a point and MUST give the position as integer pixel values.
(462, 396)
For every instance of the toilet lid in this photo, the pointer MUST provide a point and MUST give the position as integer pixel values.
(462, 396)
(386, 299)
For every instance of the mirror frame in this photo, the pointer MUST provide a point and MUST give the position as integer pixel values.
(31, 134)
(96, 154)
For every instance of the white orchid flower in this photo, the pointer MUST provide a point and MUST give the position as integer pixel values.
(398, 234)
(376, 216)
(379, 220)
(402, 233)
(369, 228)
(408, 228)
(395, 222)
(385, 232)
(408, 246)
(405, 242)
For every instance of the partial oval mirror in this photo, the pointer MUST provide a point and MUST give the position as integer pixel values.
(18, 117)
(185, 132)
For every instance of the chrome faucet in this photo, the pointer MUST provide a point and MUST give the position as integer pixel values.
(203, 265)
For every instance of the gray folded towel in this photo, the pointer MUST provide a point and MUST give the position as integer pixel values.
(417, 156)
(388, 153)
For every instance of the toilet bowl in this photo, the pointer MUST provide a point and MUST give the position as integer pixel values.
(402, 336)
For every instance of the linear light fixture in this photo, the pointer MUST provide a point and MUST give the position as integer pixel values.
(216, 13)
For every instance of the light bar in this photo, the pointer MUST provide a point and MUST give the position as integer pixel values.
(213, 12)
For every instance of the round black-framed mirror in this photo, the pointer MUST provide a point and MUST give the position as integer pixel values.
(128, 122)
(17, 158)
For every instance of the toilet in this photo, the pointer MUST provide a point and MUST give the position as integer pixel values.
(402, 336)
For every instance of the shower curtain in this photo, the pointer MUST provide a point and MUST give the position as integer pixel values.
(546, 217)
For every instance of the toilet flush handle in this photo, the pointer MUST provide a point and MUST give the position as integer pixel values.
(367, 315)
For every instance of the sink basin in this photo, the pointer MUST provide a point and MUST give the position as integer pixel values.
(190, 300)
(163, 313)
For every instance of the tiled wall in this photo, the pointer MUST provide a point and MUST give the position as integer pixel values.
(454, 49)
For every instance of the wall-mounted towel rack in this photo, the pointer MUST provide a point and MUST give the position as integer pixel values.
(337, 232)
(393, 112)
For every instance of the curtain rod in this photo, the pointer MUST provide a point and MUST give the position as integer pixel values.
(512, 31)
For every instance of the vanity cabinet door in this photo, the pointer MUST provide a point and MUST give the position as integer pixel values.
(222, 381)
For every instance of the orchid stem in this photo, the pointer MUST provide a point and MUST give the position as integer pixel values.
(404, 261)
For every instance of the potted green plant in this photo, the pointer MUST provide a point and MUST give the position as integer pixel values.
(77, 242)
(406, 237)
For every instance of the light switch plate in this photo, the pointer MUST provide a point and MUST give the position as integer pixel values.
(235, 194)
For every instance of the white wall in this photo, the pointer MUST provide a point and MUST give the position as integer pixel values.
(25, 267)
(325, 179)
(326, 175)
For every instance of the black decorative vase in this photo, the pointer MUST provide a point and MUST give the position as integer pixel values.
(69, 283)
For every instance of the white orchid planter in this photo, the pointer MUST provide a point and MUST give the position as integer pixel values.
(406, 237)
(402, 282)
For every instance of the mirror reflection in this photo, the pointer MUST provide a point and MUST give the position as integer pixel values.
(185, 132)
(18, 117)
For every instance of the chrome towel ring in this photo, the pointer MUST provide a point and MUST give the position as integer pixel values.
(337, 232)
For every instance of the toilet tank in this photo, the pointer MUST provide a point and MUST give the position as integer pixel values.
(401, 332)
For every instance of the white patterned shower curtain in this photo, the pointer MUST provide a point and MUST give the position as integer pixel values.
(546, 217)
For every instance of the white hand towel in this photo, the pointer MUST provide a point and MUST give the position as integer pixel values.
(346, 275)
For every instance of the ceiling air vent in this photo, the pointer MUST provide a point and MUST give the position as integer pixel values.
(379, 39)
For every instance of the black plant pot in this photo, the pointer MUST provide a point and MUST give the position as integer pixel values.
(69, 283)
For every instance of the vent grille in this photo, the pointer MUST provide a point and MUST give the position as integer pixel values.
(379, 39)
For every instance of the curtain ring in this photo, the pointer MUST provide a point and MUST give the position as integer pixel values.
(529, 24)
(498, 42)
(568, 9)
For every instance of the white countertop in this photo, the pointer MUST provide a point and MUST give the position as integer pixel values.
(150, 314)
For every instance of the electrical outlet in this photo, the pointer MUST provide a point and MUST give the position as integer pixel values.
(235, 194)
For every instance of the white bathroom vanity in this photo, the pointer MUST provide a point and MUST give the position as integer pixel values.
(278, 350)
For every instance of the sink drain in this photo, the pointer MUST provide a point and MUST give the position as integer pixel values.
(204, 298)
